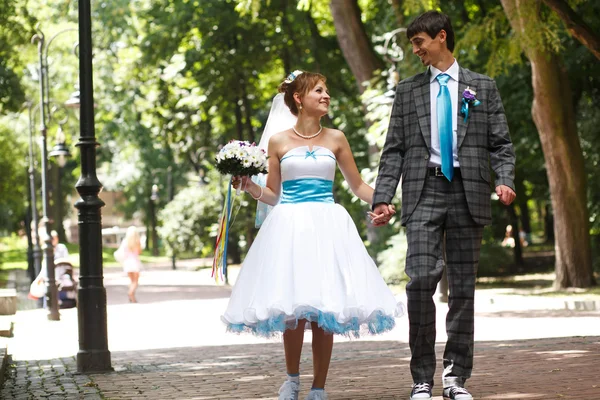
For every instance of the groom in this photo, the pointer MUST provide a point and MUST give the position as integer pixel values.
(447, 125)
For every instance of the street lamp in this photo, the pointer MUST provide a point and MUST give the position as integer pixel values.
(61, 153)
(93, 354)
(74, 100)
(52, 292)
(37, 250)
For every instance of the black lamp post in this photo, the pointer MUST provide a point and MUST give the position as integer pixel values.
(93, 354)
(37, 250)
(171, 190)
(52, 292)
(153, 201)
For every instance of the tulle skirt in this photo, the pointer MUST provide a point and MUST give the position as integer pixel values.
(308, 262)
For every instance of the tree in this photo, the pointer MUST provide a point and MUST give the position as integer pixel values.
(576, 25)
(356, 46)
(13, 181)
(15, 22)
(554, 116)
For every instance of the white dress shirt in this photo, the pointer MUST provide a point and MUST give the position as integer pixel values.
(435, 160)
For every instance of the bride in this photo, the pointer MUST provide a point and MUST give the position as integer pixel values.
(308, 266)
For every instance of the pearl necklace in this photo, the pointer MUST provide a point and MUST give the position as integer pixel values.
(309, 136)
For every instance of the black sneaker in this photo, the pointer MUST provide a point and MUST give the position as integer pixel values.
(421, 391)
(457, 393)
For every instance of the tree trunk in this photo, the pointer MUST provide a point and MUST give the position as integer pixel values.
(548, 223)
(397, 5)
(518, 249)
(359, 54)
(247, 112)
(522, 200)
(554, 117)
(239, 124)
(354, 42)
(576, 25)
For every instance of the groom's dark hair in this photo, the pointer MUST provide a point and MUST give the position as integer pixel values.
(432, 22)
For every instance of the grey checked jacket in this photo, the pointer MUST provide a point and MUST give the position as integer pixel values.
(483, 138)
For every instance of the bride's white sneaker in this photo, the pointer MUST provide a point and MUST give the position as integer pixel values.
(289, 390)
(317, 395)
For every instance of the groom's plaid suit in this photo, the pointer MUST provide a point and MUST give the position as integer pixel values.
(433, 208)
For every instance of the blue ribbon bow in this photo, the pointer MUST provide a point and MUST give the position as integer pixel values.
(464, 109)
(310, 154)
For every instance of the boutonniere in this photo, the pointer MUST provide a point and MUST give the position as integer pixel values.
(468, 99)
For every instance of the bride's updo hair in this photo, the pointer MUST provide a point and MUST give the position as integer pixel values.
(298, 82)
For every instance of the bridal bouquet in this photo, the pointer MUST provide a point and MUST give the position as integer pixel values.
(236, 158)
(240, 158)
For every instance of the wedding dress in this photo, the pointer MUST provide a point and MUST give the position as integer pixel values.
(309, 262)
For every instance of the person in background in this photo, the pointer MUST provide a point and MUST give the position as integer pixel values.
(60, 250)
(509, 240)
(128, 254)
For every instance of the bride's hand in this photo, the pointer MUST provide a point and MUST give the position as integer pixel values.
(241, 182)
(236, 181)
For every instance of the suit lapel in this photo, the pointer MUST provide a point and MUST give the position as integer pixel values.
(464, 81)
(421, 91)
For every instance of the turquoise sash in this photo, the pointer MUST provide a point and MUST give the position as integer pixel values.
(307, 190)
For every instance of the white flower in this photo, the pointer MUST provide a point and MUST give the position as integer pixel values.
(473, 92)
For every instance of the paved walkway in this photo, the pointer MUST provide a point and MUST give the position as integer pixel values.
(172, 346)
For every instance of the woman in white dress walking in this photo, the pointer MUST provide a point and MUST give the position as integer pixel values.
(128, 255)
(308, 266)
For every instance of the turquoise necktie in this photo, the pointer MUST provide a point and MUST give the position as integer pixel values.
(444, 120)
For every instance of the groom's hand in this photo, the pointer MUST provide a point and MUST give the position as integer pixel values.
(382, 213)
(505, 194)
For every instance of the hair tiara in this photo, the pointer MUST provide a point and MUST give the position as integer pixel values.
(293, 76)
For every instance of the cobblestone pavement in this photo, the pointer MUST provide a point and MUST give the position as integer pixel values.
(47, 379)
(172, 346)
(562, 368)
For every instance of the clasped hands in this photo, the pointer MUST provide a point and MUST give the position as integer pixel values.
(381, 214)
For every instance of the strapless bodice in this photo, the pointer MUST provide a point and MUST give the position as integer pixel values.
(307, 175)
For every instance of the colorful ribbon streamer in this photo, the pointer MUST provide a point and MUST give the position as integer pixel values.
(219, 270)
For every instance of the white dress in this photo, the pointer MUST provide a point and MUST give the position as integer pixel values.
(309, 262)
(131, 261)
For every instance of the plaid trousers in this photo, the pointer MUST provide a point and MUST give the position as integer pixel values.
(442, 211)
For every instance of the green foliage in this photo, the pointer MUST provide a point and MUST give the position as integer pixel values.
(494, 260)
(13, 180)
(189, 222)
(14, 24)
(393, 259)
